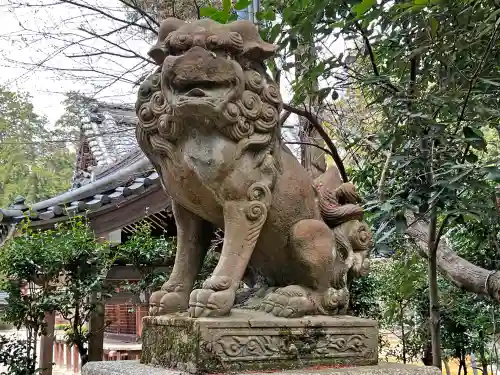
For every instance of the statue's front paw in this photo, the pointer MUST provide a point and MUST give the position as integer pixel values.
(154, 302)
(170, 299)
(208, 302)
(335, 301)
(173, 302)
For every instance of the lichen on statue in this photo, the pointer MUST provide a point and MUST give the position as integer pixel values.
(209, 123)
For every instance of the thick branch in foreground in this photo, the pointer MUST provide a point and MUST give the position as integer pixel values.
(321, 131)
(456, 269)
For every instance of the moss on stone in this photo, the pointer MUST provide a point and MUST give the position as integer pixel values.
(179, 343)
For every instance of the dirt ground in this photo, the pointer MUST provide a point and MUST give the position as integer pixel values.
(453, 364)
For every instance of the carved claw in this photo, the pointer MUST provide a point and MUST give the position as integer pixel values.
(173, 302)
(171, 298)
(289, 302)
(208, 302)
(154, 302)
(335, 301)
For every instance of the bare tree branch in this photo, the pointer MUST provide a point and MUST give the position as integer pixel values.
(144, 14)
(459, 271)
(317, 125)
(107, 15)
(326, 151)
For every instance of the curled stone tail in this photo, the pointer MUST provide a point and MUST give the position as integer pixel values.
(340, 206)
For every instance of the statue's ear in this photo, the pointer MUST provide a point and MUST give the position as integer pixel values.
(254, 48)
(158, 52)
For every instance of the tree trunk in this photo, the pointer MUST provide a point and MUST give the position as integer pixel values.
(96, 330)
(427, 357)
(403, 337)
(482, 354)
(434, 313)
(47, 344)
(454, 268)
(312, 158)
(463, 364)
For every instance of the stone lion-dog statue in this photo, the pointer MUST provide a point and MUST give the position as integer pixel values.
(209, 123)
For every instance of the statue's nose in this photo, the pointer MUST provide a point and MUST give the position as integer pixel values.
(199, 64)
(197, 52)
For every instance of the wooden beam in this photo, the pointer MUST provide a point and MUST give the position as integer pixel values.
(122, 298)
(130, 272)
(116, 216)
(140, 312)
(47, 344)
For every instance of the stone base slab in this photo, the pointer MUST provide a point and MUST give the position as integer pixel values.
(254, 340)
(135, 368)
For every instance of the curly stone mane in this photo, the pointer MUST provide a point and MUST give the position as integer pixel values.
(251, 120)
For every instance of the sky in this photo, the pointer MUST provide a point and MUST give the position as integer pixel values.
(36, 42)
(32, 35)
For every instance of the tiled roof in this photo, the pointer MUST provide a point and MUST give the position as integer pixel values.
(132, 179)
(121, 170)
(109, 131)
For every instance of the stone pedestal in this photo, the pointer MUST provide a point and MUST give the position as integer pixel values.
(135, 368)
(254, 340)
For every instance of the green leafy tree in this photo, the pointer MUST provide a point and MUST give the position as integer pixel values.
(429, 69)
(404, 280)
(147, 253)
(62, 268)
(13, 355)
(32, 162)
(69, 125)
(154, 257)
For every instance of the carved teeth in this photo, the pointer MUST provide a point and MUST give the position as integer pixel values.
(196, 92)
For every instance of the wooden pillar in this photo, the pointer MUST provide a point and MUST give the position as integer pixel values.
(47, 344)
(56, 353)
(118, 318)
(140, 312)
(68, 357)
(61, 352)
(76, 360)
(96, 329)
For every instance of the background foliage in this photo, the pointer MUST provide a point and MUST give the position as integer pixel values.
(34, 163)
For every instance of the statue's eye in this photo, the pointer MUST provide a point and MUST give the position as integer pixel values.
(222, 53)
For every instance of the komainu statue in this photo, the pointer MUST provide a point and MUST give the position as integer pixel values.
(209, 123)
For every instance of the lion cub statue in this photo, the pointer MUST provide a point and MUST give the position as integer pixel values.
(209, 123)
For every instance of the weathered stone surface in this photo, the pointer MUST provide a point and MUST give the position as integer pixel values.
(254, 340)
(209, 122)
(135, 368)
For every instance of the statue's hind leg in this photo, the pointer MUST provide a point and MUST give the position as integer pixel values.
(312, 243)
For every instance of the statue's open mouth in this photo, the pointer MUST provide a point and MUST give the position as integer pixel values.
(201, 90)
(201, 78)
